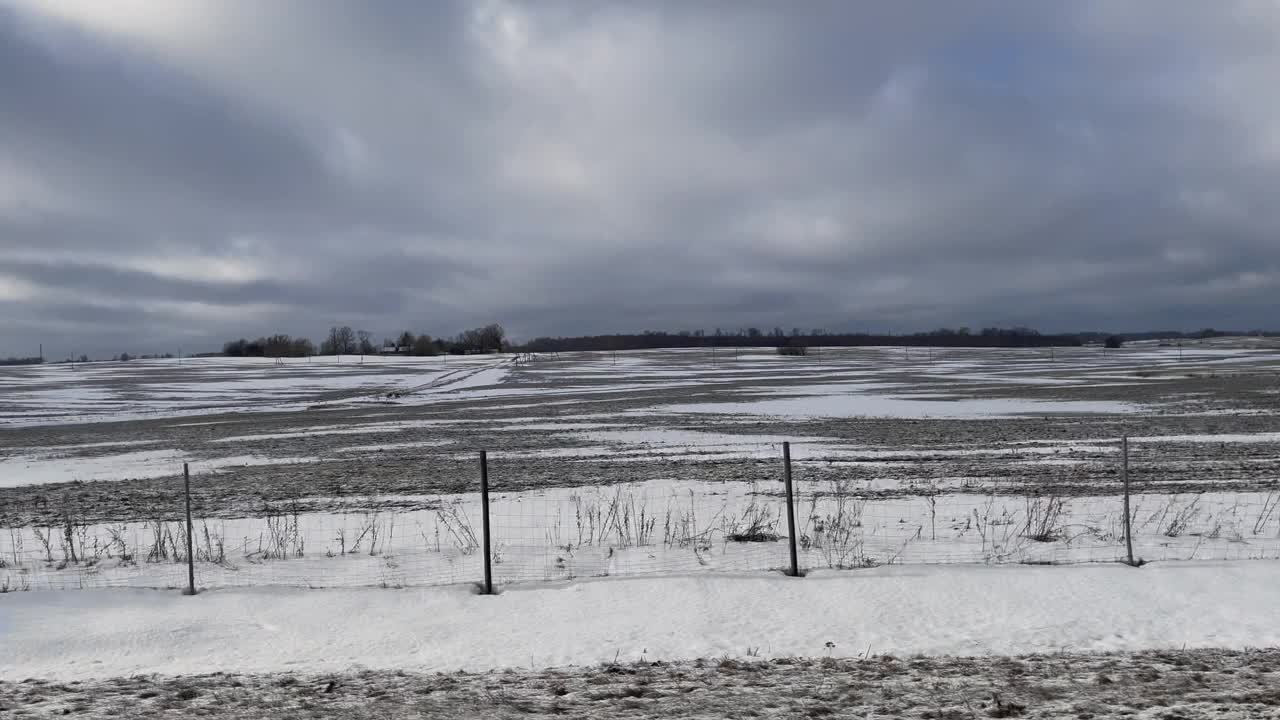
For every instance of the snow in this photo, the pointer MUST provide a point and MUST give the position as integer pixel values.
(840, 383)
(320, 430)
(1244, 438)
(902, 407)
(391, 446)
(35, 470)
(22, 470)
(962, 610)
(562, 533)
(106, 392)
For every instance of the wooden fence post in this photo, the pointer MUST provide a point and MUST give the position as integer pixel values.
(791, 509)
(191, 555)
(484, 521)
(1128, 517)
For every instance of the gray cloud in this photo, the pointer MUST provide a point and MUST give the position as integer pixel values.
(185, 172)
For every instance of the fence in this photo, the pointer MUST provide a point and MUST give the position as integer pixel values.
(804, 520)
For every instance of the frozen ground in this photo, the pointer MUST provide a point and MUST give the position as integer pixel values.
(329, 473)
(953, 610)
(105, 443)
(1162, 685)
(1165, 642)
(139, 389)
(665, 464)
(637, 529)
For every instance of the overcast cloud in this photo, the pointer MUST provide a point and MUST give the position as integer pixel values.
(179, 172)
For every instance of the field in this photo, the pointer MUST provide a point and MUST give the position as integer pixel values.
(607, 464)
(364, 473)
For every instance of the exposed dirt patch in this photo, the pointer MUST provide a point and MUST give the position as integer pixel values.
(1188, 685)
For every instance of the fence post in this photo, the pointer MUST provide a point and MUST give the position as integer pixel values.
(484, 521)
(791, 510)
(1124, 477)
(191, 556)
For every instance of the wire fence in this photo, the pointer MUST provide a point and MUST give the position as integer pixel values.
(682, 525)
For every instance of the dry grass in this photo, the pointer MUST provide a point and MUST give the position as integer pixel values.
(1187, 685)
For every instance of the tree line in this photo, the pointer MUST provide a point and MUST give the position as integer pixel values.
(492, 338)
(1202, 334)
(347, 341)
(798, 337)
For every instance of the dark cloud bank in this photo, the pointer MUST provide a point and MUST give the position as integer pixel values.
(180, 173)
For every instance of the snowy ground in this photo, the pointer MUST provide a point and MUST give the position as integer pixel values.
(645, 528)
(954, 610)
(1161, 642)
(937, 480)
(139, 421)
(336, 473)
(840, 382)
(140, 389)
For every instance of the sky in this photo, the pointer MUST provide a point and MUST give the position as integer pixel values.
(175, 173)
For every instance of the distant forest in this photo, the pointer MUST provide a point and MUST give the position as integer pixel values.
(798, 337)
(492, 338)
(778, 337)
(346, 341)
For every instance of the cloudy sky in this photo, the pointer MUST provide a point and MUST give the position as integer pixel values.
(178, 172)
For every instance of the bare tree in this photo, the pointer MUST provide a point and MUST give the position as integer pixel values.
(490, 338)
(330, 345)
(422, 345)
(346, 340)
(341, 341)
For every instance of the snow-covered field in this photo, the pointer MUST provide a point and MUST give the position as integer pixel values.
(849, 382)
(140, 389)
(142, 419)
(960, 502)
(342, 472)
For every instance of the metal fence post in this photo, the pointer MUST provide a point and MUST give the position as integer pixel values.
(191, 556)
(791, 509)
(1124, 477)
(484, 521)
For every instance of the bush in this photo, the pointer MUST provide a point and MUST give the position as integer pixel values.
(1114, 341)
(795, 350)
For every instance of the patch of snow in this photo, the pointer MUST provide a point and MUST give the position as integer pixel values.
(392, 446)
(1244, 438)
(23, 470)
(964, 610)
(899, 407)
